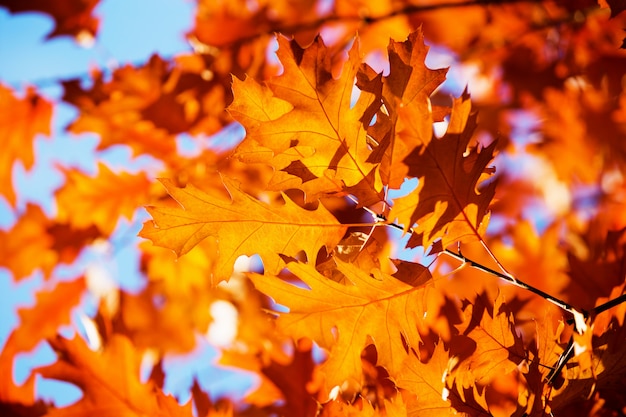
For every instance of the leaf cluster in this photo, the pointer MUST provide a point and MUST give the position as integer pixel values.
(360, 179)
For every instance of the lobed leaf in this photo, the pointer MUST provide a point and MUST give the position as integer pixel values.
(241, 226)
(451, 202)
(383, 308)
(21, 121)
(109, 381)
(106, 197)
(304, 124)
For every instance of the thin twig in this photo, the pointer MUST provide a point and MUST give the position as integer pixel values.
(609, 304)
(504, 276)
(521, 284)
(606, 306)
(561, 362)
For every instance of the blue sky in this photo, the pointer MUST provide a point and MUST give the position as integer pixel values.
(130, 32)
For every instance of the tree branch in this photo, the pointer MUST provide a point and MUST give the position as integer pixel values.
(518, 283)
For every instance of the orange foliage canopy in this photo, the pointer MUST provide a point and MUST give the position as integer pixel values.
(362, 180)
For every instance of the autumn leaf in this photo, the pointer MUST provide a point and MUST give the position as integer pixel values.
(106, 197)
(144, 107)
(607, 370)
(26, 242)
(182, 276)
(293, 380)
(338, 408)
(598, 275)
(304, 124)
(412, 273)
(407, 119)
(450, 202)
(36, 323)
(487, 347)
(219, 24)
(579, 117)
(42, 320)
(166, 322)
(426, 381)
(22, 120)
(207, 408)
(109, 381)
(73, 18)
(429, 389)
(382, 308)
(326, 122)
(223, 24)
(241, 226)
(37, 242)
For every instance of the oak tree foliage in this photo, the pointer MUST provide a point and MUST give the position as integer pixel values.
(424, 249)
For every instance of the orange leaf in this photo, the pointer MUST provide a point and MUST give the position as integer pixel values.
(224, 24)
(21, 120)
(51, 310)
(304, 124)
(26, 246)
(109, 381)
(205, 407)
(292, 379)
(241, 226)
(37, 242)
(183, 276)
(338, 408)
(144, 107)
(411, 273)
(447, 203)
(407, 119)
(488, 345)
(170, 324)
(427, 382)
(607, 369)
(73, 18)
(84, 201)
(383, 309)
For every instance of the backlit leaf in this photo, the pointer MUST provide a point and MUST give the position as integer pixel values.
(109, 381)
(21, 121)
(341, 317)
(427, 381)
(36, 323)
(73, 18)
(242, 225)
(106, 197)
(307, 115)
(450, 202)
(36, 242)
